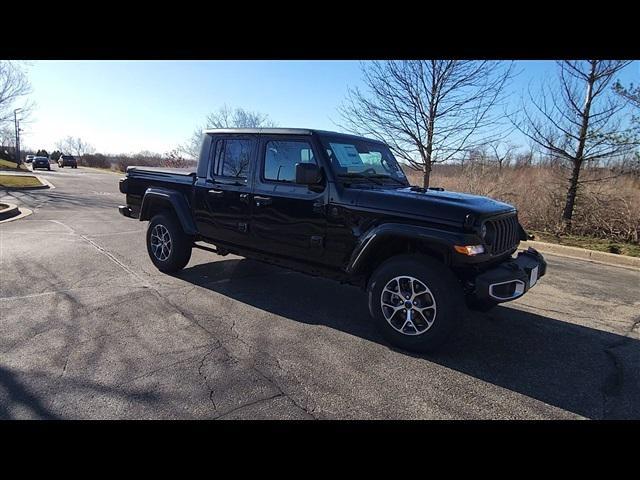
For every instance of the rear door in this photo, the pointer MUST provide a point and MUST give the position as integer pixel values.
(287, 219)
(222, 198)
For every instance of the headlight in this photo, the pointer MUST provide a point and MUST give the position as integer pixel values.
(469, 250)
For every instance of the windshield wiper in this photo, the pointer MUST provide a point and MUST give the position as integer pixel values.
(390, 177)
(360, 175)
(372, 176)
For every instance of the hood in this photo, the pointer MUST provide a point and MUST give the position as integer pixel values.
(441, 205)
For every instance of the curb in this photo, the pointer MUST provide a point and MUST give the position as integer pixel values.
(584, 254)
(9, 211)
(13, 189)
(23, 212)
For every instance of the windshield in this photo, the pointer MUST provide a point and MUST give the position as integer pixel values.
(362, 158)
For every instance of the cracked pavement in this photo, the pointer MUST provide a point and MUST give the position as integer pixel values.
(91, 330)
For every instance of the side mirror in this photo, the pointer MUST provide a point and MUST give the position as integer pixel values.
(307, 174)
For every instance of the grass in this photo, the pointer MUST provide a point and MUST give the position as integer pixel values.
(7, 165)
(590, 243)
(19, 181)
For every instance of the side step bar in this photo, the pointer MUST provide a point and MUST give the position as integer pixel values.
(220, 251)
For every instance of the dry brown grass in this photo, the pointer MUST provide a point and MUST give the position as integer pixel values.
(606, 207)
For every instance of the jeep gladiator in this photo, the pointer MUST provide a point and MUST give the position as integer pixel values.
(338, 206)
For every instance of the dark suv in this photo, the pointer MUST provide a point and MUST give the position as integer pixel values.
(341, 207)
(40, 162)
(67, 161)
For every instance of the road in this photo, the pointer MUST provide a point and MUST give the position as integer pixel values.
(90, 329)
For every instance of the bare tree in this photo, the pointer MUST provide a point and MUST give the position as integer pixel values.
(225, 117)
(503, 153)
(631, 94)
(428, 111)
(578, 120)
(75, 146)
(14, 85)
(7, 137)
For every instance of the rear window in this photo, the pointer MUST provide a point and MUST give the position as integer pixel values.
(232, 157)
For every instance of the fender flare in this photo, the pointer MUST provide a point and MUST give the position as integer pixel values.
(173, 199)
(430, 236)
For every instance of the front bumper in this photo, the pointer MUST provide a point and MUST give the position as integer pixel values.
(126, 211)
(511, 279)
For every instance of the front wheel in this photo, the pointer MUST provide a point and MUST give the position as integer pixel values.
(168, 246)
(415, 302)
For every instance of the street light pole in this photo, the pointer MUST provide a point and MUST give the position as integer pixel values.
(15, 121)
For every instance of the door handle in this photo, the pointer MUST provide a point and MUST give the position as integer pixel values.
(261, 200)
(216, 193)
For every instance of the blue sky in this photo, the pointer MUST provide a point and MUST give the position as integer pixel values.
(129, 106)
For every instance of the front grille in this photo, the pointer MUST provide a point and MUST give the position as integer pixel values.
(503, 234)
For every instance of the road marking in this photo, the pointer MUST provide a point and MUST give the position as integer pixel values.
(67, 290)
(106, 253)
(115, 233)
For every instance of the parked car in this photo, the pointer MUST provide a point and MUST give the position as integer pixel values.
(29, 158)
(67, 161)
(40, 162)
(338, 206)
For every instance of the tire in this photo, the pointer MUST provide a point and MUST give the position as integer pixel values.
(178, 248)
(442, 302)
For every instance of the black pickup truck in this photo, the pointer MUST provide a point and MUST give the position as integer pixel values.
(338, 206)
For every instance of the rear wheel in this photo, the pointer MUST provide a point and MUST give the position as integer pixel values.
(415, 302)
(168, 246)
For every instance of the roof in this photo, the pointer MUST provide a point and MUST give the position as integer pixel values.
(268, 131)
(285, 131)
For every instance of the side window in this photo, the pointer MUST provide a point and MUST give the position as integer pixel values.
(232, 158)
(281, 158)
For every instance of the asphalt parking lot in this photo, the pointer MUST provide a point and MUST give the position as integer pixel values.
(90, 329)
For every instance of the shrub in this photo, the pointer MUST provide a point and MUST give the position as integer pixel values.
(96, 160)
(606, 207)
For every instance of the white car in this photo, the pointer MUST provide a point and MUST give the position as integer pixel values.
(29, 158)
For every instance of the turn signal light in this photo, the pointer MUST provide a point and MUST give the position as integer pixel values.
(469, 249)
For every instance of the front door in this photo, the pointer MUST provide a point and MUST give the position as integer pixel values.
(287, 219)
(222, 204)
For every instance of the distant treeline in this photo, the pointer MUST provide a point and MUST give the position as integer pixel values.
(144, 159)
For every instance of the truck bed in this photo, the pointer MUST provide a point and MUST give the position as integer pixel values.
(160, 174)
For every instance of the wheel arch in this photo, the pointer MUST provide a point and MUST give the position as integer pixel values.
(156, 200)
(388, 240)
